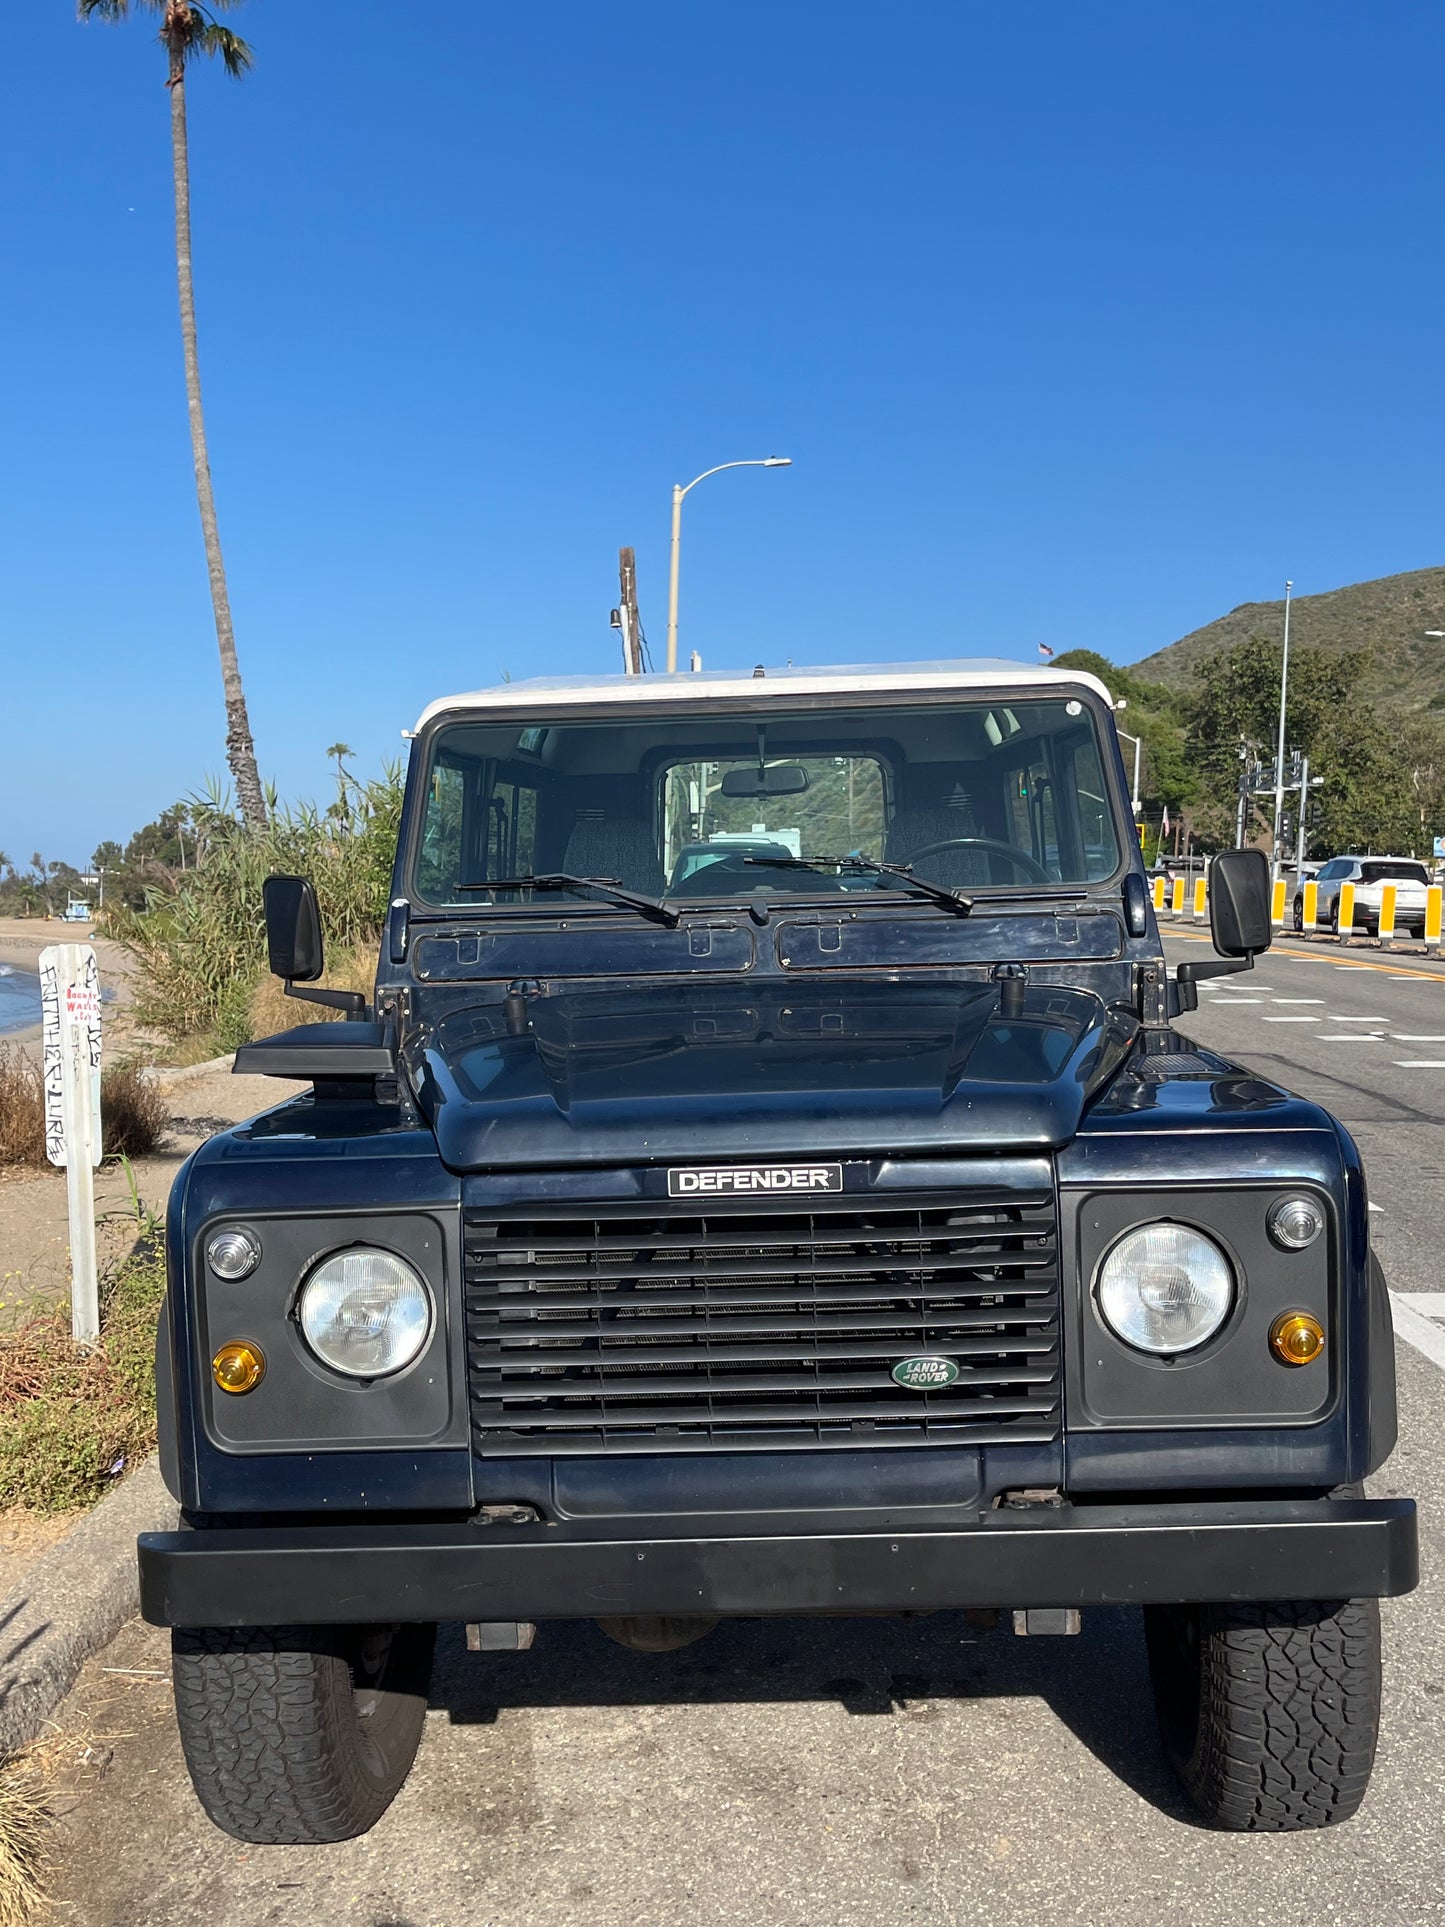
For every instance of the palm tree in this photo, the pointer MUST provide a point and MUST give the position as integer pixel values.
(188, 29)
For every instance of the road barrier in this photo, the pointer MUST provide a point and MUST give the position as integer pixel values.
(1386, 925)
(1345, 917)
(1279, 894)
(1176, 901)
(1312, 905)
(1158, 893)
(1201, 894)
(1432, 916)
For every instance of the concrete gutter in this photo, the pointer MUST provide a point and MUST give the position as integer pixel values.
(167, 1079)
(72, 1602)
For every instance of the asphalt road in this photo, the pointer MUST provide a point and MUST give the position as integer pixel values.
(858, 1773)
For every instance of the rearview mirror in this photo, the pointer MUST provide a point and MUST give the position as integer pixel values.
(1239, 903)
(293, 929)
(779, 779)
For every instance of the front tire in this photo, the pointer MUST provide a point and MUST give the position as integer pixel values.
(300, 1735)
(1299, 914)
(1269, 1713)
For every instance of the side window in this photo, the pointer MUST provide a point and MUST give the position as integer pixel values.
(511, 829)
(439, 861)
(1096, 817)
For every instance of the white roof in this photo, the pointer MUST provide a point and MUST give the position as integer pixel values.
(861, 679)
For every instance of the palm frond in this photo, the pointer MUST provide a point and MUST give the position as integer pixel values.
(103, 9)
(213, 40)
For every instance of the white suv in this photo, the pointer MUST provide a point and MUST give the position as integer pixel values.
(1370, 874)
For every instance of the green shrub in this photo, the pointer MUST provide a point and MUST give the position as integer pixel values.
(133, 1113)
(200, 945)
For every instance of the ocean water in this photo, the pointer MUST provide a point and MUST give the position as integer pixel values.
(19, 999)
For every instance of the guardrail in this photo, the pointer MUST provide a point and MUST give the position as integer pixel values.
(1169, 901)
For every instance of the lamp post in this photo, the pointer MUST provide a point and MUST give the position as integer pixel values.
(765, 461)
(1134, 799)
(1279, 753)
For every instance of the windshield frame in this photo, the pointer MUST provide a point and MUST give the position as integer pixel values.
(786, 701)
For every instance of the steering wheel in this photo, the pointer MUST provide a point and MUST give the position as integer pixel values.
(1031, 868)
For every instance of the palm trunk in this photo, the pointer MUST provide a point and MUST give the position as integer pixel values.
(240, 750)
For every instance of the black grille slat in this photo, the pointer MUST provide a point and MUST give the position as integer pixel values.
(670, 1328)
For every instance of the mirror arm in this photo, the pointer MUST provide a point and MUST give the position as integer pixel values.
(351, 1000)
(1184, 996)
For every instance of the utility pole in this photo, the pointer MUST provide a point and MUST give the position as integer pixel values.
(625, 616)
(1279, 753)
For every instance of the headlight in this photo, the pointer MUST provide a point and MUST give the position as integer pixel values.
(1165, 1288)
(365, 1312)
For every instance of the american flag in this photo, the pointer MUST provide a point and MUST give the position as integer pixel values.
(1044, 649)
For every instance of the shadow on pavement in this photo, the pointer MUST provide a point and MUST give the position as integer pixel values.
(1096, 1682)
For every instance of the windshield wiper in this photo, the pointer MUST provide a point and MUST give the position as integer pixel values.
(656, 908)
(955, 900)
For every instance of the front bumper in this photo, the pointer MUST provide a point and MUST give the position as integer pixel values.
(1069, 1556)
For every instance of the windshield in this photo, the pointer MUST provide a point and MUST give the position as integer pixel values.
(1394, 872)
(970, 794)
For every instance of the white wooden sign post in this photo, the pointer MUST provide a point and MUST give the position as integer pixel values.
(70, 1015)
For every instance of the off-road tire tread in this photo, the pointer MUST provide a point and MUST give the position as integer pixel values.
(1289, 1713)
(271, 1737)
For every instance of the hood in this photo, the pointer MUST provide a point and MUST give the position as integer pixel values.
(690, 1071)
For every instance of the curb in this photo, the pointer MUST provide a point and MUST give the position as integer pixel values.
(168, 1079)
(72, 1602)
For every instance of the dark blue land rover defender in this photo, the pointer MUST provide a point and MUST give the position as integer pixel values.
(767, 1181)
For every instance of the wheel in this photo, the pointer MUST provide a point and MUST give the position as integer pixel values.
(1333, 917)
(300, 1735)
(1299, 913)
(1269, 1713)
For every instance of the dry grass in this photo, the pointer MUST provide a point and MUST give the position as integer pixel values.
(25, 1815)
(71, 1419)
(269, 1009)
(133, 1114)
(22, 1109)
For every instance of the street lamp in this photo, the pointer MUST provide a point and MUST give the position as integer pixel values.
(1137, 745)
(1279, 754)
(766, 461)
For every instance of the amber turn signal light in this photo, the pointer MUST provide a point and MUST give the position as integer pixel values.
(238, 1367)
(1296, 1338)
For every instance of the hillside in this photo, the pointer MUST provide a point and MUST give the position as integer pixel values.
(1387, 617)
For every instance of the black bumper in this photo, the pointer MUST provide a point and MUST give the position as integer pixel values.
(1072, 1556)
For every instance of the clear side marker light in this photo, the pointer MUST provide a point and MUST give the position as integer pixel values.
(1295, 1223)
(233, 1253)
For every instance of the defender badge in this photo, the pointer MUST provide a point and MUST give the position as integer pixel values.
(731, 1179)
(924, 1374)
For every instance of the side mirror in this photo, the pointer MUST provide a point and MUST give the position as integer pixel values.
(293, 929)
(1240, 903)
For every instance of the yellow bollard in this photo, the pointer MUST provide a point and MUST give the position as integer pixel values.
(1432, 916)
(1177, 897)
(1158, 893)
(1312, 905)
(1345, 919)
(1278, 914)
(1199, 892)
(1387, 913)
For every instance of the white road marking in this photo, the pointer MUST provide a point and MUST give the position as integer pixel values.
(1296, 1000)
(1418, 1330)
(1336, 1018)
(1418, 1037)
(1375, 1207)
(1431, 1303)
(1229, 1002)
(1420, 1063)
(1291, 1020)
(1353, 1037)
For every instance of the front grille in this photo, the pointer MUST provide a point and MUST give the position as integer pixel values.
(665, 1330)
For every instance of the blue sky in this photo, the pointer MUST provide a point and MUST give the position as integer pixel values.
(1081, 324)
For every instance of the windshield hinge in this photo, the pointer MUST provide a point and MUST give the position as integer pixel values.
(1151, 993)
(1013, 981)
